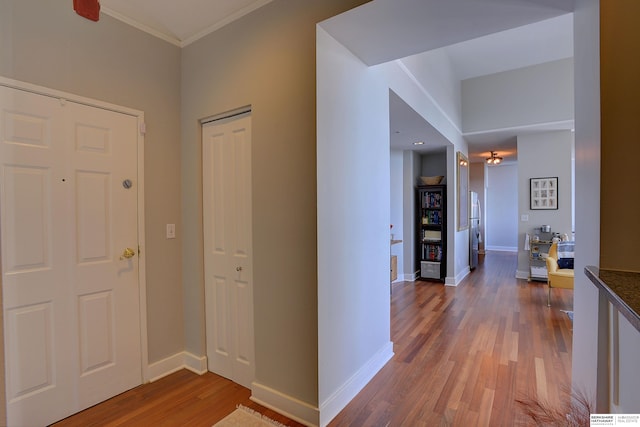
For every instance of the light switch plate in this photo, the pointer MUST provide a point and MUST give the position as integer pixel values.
(171, 231)
(524, 218)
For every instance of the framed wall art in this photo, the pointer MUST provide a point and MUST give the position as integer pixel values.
(544, 193)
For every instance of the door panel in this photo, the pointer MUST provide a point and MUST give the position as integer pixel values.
(93, 216)
(29, 330)
(32, 222)
(28, 215)
(103, 154)
(227, 235)
(71, 306)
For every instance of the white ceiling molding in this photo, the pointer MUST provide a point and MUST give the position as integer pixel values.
(129, 21)
(227, 20)
(179, 23)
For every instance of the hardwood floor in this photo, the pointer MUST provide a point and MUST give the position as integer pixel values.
(181, 399)
(463, 355)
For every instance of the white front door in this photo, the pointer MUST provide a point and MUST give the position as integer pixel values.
(71, 304)
(226, 157)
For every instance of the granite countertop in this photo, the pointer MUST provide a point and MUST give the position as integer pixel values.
(622, 289)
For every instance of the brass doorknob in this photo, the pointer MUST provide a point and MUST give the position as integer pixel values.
(128, 253)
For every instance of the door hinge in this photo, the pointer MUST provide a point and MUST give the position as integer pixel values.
(143, 128)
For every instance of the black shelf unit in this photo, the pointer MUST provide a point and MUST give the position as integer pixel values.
(431, 252)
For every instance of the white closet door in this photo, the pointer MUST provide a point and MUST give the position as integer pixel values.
(226, 146)
(71, 306)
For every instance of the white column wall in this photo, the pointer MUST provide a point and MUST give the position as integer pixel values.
(353, 175)
(353, 224)
(587, 173)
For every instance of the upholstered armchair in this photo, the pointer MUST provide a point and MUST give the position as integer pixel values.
(557, 277)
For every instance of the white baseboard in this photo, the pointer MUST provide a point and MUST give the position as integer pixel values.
(288, 406)
(455, 281)
(344, 394)
(522, 274)
(182, 360)
(410, 277)
(196, 364)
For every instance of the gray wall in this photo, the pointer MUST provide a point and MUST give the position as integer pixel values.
(502, 208)
(434, 164)
(266, 60)
(543, 155)
(47, 44)
(411, 169)
(531, 95)
(397, 208)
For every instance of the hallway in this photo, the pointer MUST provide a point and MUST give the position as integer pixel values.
(464, 354)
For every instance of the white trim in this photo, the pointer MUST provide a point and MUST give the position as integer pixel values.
(426, 93)
(344, 394)
(502, 248)
(142, 278)
(237, 15)
(196, 364)
(288, 406)
(164, 367)
(142, 258)
(173, 38)
(557, 125)
(411, 277)
(53, 93)
(522, 274)
(455, 281)
(182, 360)
(140, 26)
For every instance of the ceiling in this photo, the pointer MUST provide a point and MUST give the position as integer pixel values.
(179, 22)
(480, 37)
(536, 43)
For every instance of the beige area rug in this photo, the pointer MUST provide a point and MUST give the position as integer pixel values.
(247, 417)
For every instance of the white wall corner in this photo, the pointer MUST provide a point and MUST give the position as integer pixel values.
(288, 406)
(455, 281)
(410, 277)
(196, 364)
(182, 360)
(343, 395)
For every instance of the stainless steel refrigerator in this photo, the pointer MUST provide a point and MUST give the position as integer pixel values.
(474, 229)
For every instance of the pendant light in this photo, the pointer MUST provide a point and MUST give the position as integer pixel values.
(494, 159)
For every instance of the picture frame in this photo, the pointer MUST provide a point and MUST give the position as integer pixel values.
(463, 191)
(543, 193)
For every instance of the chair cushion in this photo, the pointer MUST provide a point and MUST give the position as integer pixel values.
(563, 273)
(565, 263)
(566, 251)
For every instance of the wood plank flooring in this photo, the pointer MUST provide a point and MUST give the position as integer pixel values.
(462, 356)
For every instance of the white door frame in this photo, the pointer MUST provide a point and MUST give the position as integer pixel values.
(28, 87)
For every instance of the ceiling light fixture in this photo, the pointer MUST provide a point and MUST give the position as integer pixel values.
(418, 143)
(494, 159)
